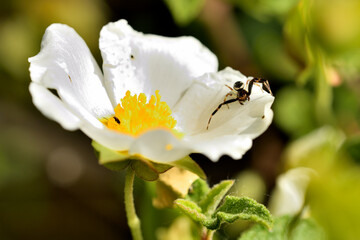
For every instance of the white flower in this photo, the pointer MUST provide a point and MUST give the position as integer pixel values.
(182, 70)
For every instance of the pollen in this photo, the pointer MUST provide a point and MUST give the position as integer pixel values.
(135, 115)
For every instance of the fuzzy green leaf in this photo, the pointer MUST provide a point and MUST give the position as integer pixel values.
(244, 208)
(286, 228)
(307, 229)
(194, 211)
(201, 204)
(278, 232)
(188, 164)
(198, 190)
(191, 209)
(214, 197)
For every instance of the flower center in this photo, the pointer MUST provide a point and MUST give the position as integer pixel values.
(134, 116)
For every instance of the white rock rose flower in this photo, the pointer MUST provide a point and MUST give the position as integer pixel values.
(154, 97)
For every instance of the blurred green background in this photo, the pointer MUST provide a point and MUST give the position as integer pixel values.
(51, 186)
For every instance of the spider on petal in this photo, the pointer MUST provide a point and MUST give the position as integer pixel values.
(241, 95)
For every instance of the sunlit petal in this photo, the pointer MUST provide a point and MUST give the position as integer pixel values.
(66, 64)
(144, 63)
(160, 145)
(241, 123)
(232, 145)
(53, 107)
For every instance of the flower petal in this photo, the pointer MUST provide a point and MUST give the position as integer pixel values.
(232, 145)
(240, 122)
(107, 137)
(159, 145)
(66, 64)
(55, 109)
(146, 63)
(52, 107)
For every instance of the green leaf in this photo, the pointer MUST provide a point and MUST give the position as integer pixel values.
(184, 11)
(188, 164)
(106, 155)
(278, 232)
(160, 167)
(244, 208)
(118, 161)
(194, 211)
(111, 159)
(117, 166)
(286, 228)
(198, 190)
(145, 170)
(190, 208)
(232, 209)
(307, 229)
(214, 196)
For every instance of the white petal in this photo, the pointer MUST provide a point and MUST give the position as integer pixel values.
(196, 102)
(199, 102)
(159, 145)
(52, 107)
(240, 122)
(260, 124)
(107, 137)
(232, 145)
(146, 63)
(66, 64)
(70, 119)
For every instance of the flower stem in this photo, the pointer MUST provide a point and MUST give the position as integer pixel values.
(207, 234)
(132, 218)
(210, 234)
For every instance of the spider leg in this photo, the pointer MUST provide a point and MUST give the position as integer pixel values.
(266, 87)
(229, 94)
(264, 82)
(218, 108)
(229, 87)
(253, 82)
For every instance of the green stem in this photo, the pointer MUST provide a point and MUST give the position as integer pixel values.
(132, 218)
(210, 234)
(207, 234)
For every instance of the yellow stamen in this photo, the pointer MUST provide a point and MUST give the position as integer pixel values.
(134, 116)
